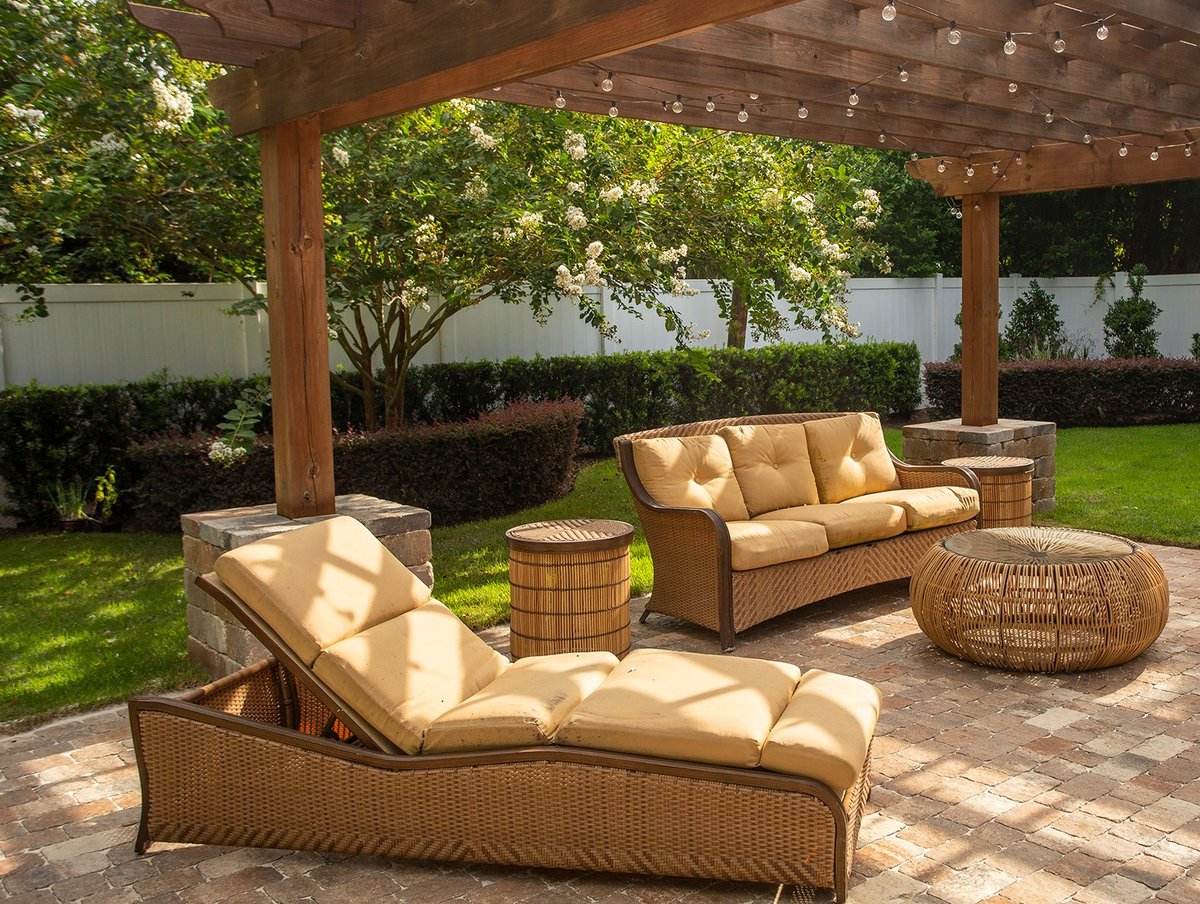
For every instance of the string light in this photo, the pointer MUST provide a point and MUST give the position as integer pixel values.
(1124, 151)
(903, 73)
(613, 111)
(941, 166)
(497, 88)
(753, 97)
(1059, 44)
(1013, 87)
(742, 114)
(559, 100)
(802, 111)
(709, 105)
(853, 97)
(995, 167)
(954, 36)
(1187, 149)
(1049, 117)
(1154, 154)
(958, 214)
(1010, 46)
(1102, 32)
(970, 171)
(882, 137)
(889, 12)
(1018, 159)
(915, 156)
(1087, 137)
(606, 84)
(677, 107)
(849, 111)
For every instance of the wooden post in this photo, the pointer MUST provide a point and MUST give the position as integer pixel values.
(293, 225)
(980, 310)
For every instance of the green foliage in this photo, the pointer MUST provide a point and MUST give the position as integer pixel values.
(1129, 323)
(501, 461)
(68, 500)
(1077, 393)
(1034, 328)
(239, 428)
(105, 495)
(1196, 345)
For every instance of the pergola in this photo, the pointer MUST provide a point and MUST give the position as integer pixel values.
(996, 98)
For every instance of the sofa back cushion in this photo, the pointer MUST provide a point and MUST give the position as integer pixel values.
(771, 465)
(849, 457)
(690, 472)
(321, 583)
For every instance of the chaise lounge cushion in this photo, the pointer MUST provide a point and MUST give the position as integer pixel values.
(772, 466)
(927, 507)
(845, 524)
(690, 472)
(684, 706)
(849, 457)
(521, 708)
(322, 584)
(825, 731)
(402, 674)
(758, 544)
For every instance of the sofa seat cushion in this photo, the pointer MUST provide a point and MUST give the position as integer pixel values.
(321, 583)
(693, 707)
(826, 730)
(772, 467)
(845, 524)
(927, 506)
(690, 472)
(402, 674)
(757, 544)
(523, 706)
(849, 456)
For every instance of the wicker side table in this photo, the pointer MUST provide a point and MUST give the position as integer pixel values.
(569, 585)
(1006, 488)
(1040, 599)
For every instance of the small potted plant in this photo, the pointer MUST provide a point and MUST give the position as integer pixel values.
(71, 505)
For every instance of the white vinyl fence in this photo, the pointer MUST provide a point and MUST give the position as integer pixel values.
(109, 333)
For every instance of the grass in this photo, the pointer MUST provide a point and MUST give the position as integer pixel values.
(1139, 482)
(86, 619)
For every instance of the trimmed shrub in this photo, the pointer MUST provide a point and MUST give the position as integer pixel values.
(1082, 393)
(504, 461)
(1129, 323)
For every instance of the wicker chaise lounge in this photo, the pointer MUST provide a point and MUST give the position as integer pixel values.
(383, 726)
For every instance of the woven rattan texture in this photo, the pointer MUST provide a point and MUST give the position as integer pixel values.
(571, 530)
(1063, 601)
(687, 577)
(1005, 488)
(703, 428)
(213, 784)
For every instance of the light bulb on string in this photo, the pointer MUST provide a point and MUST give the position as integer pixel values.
(995, 167)
(709, 105)
(742, 114)
(606, 83)
(753, 96)
(1187, 149)
(497, 88)
(970, 171)
(802, 111)
(1124, 150)
(903, 74)
(849, 111)
(941, 166)
(1012, 87)
(1018, 159)
(853, 97)
(883, 137)
(954, 35)
(958, 214)
(1049, 117)
(1102, 32)
(914, 156)
(613, 111)
(1059, 44)
(677, 107)
(1154, 154)
(1087, 137)
(1010, 46)
(559, 100)
(889, 12)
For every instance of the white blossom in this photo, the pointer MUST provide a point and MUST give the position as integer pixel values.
(226, 455)
(33, 251)
(670, 256)
(868, 202)
(29, 117)
(771, 199)
(592, 274)
(833, 251)
(341, 156)
(565, 281)
(575, 188)
(529, 221)
(803, 203)
(6, 225)
(612, 194)
(575, 145)
(482, 138)
(692, 334)
(679, 284)
(863, 222)
(595, 249)
(798, 274)
(476, 189)
(108, 143)
(576, 219)
(174, 105)
(642, 191)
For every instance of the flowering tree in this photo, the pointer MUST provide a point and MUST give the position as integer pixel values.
(431, 212)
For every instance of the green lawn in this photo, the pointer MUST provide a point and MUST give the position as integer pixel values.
(87, 619)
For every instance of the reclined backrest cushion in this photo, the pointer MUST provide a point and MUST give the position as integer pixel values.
(772, 467)
(849, 456)
(690, 472)
(321, 583)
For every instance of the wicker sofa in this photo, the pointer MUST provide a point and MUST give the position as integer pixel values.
(384, 726)
(748, 518)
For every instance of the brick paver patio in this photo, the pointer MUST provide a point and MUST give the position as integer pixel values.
(991, 787)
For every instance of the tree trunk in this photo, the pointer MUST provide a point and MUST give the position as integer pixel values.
(738, 316)
(370, 413)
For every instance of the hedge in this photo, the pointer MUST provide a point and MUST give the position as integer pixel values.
(501, 462)
(1082, 393)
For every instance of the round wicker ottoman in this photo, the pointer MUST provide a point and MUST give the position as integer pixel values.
(569, 586)
(1040, 599)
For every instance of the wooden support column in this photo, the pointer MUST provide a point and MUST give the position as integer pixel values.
(980, 309)
(293, 225)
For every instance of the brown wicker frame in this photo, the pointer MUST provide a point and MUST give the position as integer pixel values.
(241, 762)
(693, 576)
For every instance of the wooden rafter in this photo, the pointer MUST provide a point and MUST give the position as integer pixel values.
(199, 37)
(251, 20)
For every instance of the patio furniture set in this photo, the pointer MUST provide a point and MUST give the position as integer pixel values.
(435, 746)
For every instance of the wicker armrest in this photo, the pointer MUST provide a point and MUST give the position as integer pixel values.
(917, 476)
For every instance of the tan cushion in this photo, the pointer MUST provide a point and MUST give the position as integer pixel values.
(521, 708)
(690, 472)
(321, 583)
(845, 524)
(849, 456)
(684, 706)
(757, 544)
(825, 731)
(928, 506)
(771, 464)
(404, 673)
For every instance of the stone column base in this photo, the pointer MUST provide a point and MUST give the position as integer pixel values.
(217, 642)
(932, 443)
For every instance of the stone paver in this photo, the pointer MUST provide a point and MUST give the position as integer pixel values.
(991, 787)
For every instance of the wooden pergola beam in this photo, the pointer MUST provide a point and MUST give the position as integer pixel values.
(407, 55)
(198, 36)
(980, 310)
